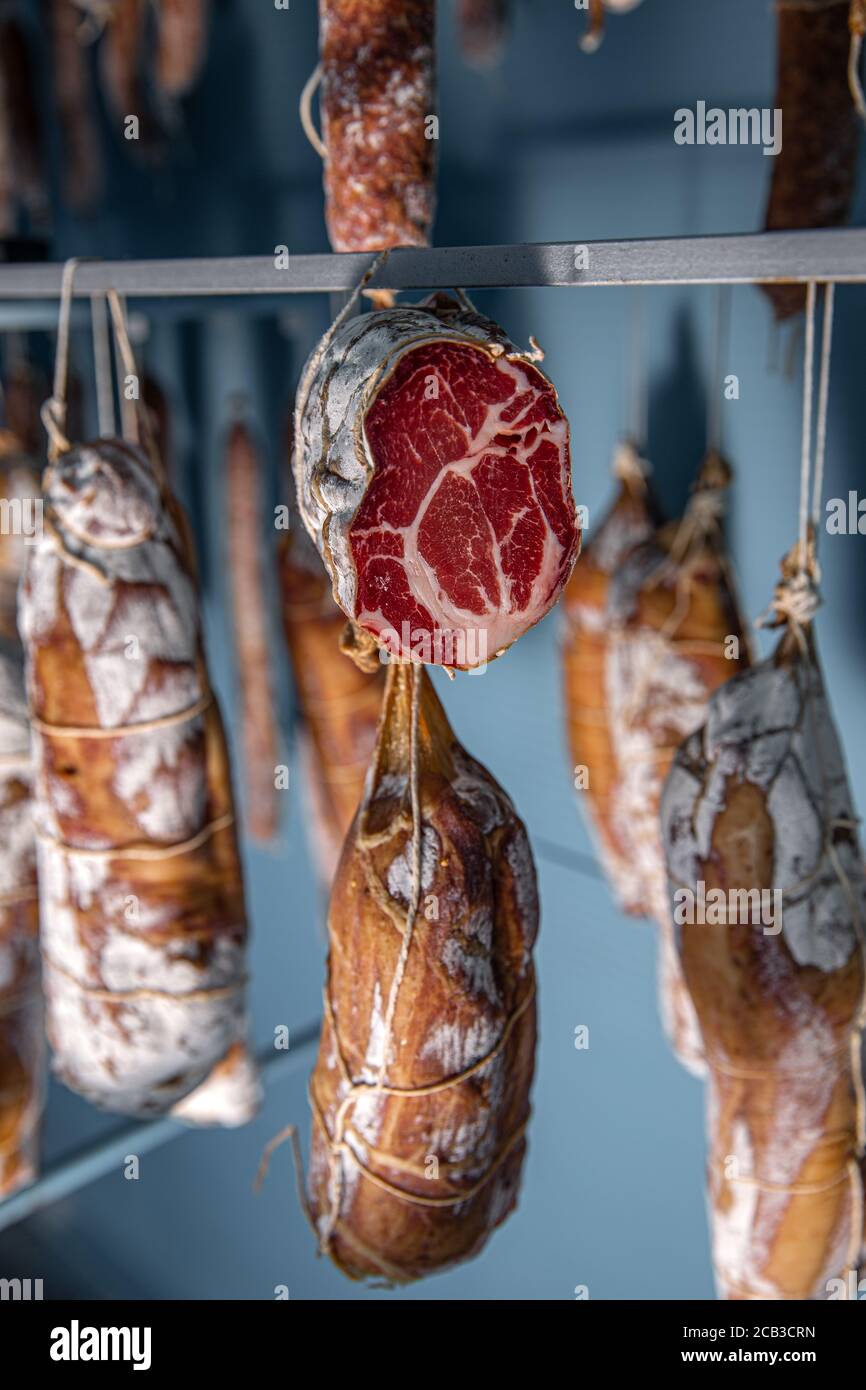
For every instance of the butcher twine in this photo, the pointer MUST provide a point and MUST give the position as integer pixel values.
(54, 419)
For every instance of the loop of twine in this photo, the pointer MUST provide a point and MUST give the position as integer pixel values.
(311, 86)
(53, 412)
(796, 596)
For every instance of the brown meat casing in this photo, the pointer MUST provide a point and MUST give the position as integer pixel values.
(586, 637)
(22, 1033)
(81, 157)
(780, 1015)
(339, 703)
(814, 174)
(182, 35)
(252, 643)
(646, 644)
(140, 1006)
(483, 27)
(405, 1185)
(378, 88)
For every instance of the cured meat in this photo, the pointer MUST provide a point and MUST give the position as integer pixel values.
(143, 924)
(252, 640)
(21, 139)
(182, 32)
(122, 59)
(19, 487)
(22, 1035)
(654, 628)
(759, 827)
(586, 644)
(377, 98)
(814, 174)
(81, 160)
(22, 1038)
(339, 703)
(229, 1097)
(432, 470)
(483, 27)
(420, 1094)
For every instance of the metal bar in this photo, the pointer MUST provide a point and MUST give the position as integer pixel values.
(836, 254)
(107, 1155)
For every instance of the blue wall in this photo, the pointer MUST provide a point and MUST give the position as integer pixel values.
(554, 145)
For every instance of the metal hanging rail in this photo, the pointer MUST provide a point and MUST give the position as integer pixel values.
(765, 257)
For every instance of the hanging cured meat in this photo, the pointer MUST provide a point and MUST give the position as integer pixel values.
(142, 911)
(181, 44)
(483, 28)
(252, 639)
(586, 646)
(378, 103)
(122, 67)
(22, 174)
(81, 159)
(421, 1092)
(814, 173)
(654, 628)
(22, 1036)
(432, 470)
(767, 885)
(22, 1046)
(339, 703)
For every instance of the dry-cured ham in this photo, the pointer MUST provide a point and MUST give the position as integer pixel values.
(420, 1094)
(181, 44)
(432, 470)
(483, 29)
(768, 897)
(378, 100)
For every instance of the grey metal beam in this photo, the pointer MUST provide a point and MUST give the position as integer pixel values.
(837, 254)
(107, 1155)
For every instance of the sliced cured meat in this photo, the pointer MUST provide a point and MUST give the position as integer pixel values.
(432, 463)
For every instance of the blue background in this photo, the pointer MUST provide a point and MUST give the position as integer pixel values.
(554, 145)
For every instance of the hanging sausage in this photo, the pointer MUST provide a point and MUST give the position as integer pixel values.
(378, 103)
(252, 640)
(143, 926)
(814, 173)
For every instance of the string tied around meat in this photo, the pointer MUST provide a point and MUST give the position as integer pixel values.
(796, 597)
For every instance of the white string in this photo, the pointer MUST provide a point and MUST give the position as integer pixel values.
(638, 387)
(722, 320)
(124, 366)
(823, 397)
(102, 366)
(806, 439)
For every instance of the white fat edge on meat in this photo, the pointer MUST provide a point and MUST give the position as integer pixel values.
(332, 461)
(498, 622)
